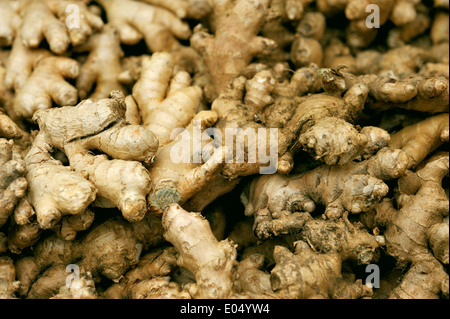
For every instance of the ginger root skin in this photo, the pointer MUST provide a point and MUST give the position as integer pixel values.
(211, 262)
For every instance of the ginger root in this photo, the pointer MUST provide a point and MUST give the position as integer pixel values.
(409, 232)
(280, 203)
(166, 100)
(102, 66)
(13, 184)
(51, 19)
(108, 250)
(235, 41)
(210, 261)
(305, 274)
(94, 125)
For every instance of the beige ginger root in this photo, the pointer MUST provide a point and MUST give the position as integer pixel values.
(21, 62)
(195, 9)
(307, 47)
(165, 98)
(323, 123)
(306, 274)
(182, 168)
(410, 228)
(121, 182)
(13, 184)
(47, 84)
(210, 261)
(102, 66)
(10, 21)
(149, 278)
(266, 97)
(235, 42)
(420, 139)
(107, 250)
(279, 202)
(82, 287)
(52, 20)
(158, 26)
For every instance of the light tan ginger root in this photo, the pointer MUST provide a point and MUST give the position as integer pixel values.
(102, 67)
(193, 9)
(21, 62)
(408, 228)
(403, 62)
(154, 270)
(158, 26)
(13, 184)
(426, 279)
(54, 190)
(420, 139)
(251, 281)
(283, 12)
(306, 274)
(404, 12)
(165, 98)
(398, 37)
(54, 21)
(237, 111)
(10, 21)
(441, 4)
(439, 32)
(160, 287)
(81, 287)
(388, 90)
(276, 31)
(8, 283)
(289, 10)
(307, 47)
(107, 250)
(210, 261)
(247, 101)
(186, 165)
(359, 34)
(279, 203)
(72, 224)
(337, 53)
(324, 123)
(235, 42)
(350, 240)
(47, 84)
(121, 182)
(135, 20)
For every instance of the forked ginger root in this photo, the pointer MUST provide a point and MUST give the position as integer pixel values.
(93, 125)
(102, 67)
(409, 232)
(235, 41)
(47, 84)
(186, 165)
(13, 184)
(10, 21)
(50, 19)
(306, 274)
(279, 202)
(166, 100)
(108, 250)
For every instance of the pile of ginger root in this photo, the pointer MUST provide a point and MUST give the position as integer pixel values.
(118, 179)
